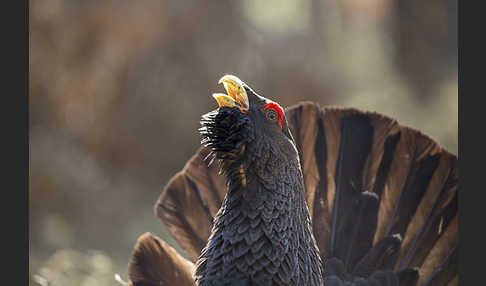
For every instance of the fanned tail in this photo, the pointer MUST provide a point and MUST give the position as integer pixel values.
(382, 198)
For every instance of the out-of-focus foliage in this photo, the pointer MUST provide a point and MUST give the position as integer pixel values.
(66, 266)
(117, 89)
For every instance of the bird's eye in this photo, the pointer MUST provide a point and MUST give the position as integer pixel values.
(272, 115)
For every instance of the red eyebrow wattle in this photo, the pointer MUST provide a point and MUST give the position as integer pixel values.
(278, 109)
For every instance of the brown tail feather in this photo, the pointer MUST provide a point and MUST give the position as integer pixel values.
(155, 263)
(190, 201)
(354, 147)
(434, 214)
(440, 264)
(345, 152)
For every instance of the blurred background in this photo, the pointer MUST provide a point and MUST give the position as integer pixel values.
(117, 89)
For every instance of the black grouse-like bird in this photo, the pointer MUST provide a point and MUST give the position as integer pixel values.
(306, 196)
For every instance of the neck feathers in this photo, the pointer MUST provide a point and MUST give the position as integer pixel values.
(262, 232)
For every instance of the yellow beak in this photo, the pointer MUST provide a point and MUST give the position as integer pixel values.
(224, 100)
(236, 94)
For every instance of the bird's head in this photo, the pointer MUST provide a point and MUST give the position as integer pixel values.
(247, 130)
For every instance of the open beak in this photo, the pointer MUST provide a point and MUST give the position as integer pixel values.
(236, 94)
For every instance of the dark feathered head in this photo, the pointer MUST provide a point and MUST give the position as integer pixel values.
(247, 131)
